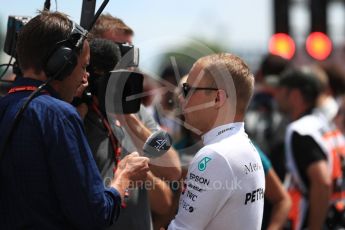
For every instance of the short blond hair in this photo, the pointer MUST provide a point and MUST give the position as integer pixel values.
(229, 72)
(107, 22)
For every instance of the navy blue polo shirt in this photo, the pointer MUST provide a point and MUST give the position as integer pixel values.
(48, 177)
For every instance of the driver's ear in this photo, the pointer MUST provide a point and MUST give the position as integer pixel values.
(220, 98)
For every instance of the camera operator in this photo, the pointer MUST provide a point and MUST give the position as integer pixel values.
(129, 131)
(48, 177)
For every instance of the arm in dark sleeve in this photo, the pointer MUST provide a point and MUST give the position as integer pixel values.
(78, 185)
(266, 163)
(306, 152)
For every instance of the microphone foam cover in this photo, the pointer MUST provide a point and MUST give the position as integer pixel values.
(157, 144)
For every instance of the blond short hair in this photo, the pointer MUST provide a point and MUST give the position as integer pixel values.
(106, 23)
(230, 73)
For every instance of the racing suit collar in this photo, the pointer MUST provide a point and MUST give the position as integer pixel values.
(221, 132)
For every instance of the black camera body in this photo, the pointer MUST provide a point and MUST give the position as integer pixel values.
(14, 24)
(123, 92)
(109, 65)
(129, 55)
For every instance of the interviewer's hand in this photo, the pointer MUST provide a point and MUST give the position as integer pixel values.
(132, 168)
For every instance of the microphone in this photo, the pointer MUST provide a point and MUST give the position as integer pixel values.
(157, 144)
(104, 55)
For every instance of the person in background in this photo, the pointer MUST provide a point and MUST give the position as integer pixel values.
(264, 123)
(326, 103)
(339, 119)
(314, 152)
(114, 29)
(169, 115)
(336, 78)
(128, 133)
(276, 194)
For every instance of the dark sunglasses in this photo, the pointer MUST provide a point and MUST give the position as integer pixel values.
(186, 88)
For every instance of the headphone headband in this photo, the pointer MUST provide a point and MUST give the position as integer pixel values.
(78, 34)
(64, 56)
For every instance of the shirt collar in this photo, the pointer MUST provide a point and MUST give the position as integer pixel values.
(221, 132)
(23, 81)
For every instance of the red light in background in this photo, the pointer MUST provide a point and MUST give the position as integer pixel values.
(283, 45)
(319, 46)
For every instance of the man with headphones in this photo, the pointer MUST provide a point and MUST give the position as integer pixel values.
(48, 177)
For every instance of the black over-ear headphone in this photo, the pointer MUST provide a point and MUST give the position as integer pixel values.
(64, 56)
